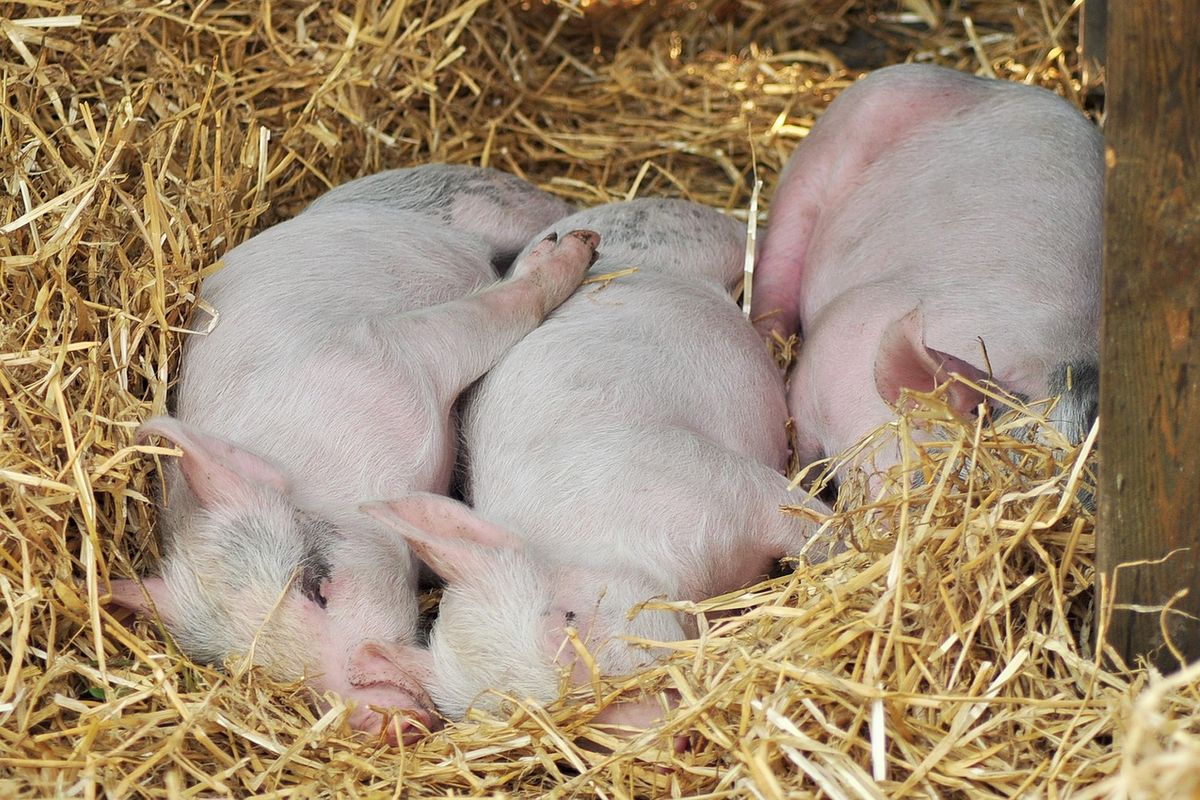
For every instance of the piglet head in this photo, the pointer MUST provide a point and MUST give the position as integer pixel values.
(831, 398)
(513, 621)
(247, 573)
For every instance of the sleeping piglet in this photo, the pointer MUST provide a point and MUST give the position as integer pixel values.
(629, 448)
(342, 339)
(927, 212)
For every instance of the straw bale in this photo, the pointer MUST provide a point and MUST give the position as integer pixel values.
(944, 653)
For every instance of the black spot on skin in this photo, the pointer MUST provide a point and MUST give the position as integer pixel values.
(570, 615)
(1079, 384)
(629, 227)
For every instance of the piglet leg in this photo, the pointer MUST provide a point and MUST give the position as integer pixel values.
(879, 117)
(462, 339)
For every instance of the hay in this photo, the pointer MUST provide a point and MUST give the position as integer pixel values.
(943, 655)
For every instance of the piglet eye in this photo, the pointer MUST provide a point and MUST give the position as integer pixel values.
(314, 585)
(315, 570)
(570, 616)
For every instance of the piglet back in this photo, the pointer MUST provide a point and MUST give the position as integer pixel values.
(497, 207)
(661, 235)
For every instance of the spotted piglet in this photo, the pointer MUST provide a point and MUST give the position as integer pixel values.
(630, 448)
(341, 341)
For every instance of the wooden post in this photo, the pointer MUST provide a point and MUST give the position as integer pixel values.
(1150, 339)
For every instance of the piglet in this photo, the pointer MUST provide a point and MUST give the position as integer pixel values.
(342, 339)
(630, 448)
(929, 218)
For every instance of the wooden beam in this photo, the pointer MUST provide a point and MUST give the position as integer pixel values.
(1150, 338)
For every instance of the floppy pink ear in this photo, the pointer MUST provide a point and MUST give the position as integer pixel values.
(904, 362)
(214, 469)
(964, 400)
(439, 515)
(447, 535)
(139, 596)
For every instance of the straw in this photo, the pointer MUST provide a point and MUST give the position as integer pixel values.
(945, 652)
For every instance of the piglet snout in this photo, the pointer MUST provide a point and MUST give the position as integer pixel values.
(398, 725)
(628, 718)
(386, 682)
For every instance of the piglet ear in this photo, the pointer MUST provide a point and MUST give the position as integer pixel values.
(904, 362)
(215, 470)
(140, 596)
(447, 535)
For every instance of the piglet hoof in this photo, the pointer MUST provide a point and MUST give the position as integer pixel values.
(557, 265)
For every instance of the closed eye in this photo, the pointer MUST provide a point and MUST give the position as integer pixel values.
(314, 583)
(315, 572)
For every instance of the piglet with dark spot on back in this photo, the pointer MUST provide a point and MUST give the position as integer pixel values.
(344, 337)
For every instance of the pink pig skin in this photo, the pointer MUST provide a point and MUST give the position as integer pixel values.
(926, 211)
(341, 341)
(631, 447)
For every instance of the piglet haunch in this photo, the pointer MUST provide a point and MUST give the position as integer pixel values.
(344, 337)
(927, 212)
(630, 448)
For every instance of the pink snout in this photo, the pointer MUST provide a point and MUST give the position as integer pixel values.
(384, 708)
(386, 680)
(628, 718)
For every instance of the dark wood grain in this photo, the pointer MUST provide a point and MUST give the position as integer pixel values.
(1150, 339)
